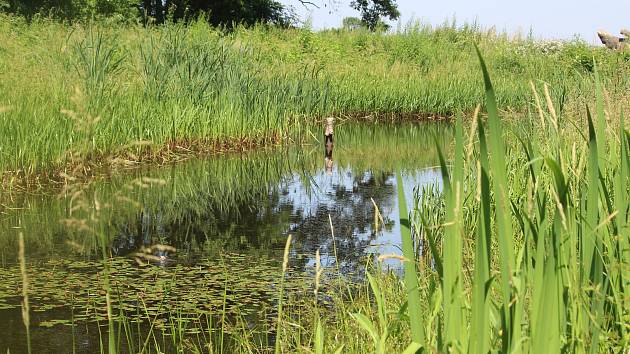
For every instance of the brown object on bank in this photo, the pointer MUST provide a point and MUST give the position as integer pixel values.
(611, 41)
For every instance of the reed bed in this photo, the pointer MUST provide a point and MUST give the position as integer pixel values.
(527, 244)
(525, 250)
(81, 96)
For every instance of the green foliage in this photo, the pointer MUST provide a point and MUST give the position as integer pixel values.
(452, 279)
(122, 10)
(225, 13)
(580, 56)
(196, 83)
(373, 10)
(509, 62)
(97, 59)
(497, 164)
(351, 23)
(527, 242)
(411, 277)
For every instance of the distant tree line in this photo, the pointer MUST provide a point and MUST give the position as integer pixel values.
(217, 12)
(70, 9)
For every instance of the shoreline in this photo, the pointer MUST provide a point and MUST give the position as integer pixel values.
(104, 165)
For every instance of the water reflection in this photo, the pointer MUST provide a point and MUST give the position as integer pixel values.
(328, 145)
(245, 203)
(302, 207)
(240, 204)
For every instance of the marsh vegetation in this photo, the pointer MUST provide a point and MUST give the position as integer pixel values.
(503, 228)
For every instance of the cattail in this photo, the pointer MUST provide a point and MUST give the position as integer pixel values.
(25, 306)
(552, 110)
(108, 303)
(285, 262)
(377, 216)
(318, 273)
(538, 105)
(471, 135)
(397, 257)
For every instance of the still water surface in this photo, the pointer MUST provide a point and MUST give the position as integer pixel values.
(225, 220)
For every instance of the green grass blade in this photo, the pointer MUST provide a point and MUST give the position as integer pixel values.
(412, 348)
(546, 337)
(368, 326)
(452, 245)
(380, 302)
(319, 338)
(588, 238)
(600, 124)
(593, 267)
(621, 197)
(479, 340)
(411, 277)
(511, 335)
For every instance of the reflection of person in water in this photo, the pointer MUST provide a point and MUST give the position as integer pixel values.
(328, 159)
(328, 140)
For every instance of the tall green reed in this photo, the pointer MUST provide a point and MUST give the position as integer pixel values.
(411, 276)
(185, 87)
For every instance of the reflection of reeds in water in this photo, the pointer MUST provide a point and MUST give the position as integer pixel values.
(205, 192)
(371, 146)
(87, 214)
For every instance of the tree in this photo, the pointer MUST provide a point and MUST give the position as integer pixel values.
(217, 12)
(373, 10)
(71, 9)
(352, 23)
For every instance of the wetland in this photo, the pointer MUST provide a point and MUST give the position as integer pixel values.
(206, 236)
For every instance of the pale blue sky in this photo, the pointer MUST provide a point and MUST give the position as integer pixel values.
(549, 19)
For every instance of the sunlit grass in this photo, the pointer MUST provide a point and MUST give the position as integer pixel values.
(153, 93)
(527, 243)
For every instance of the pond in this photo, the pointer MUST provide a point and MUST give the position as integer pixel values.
(207, 236)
